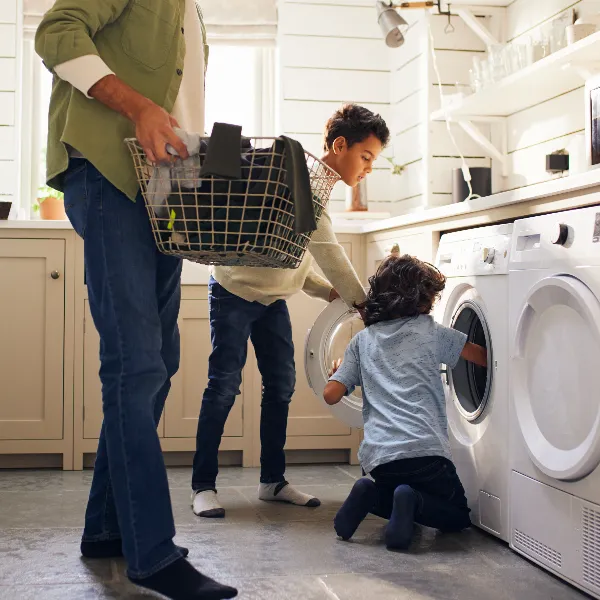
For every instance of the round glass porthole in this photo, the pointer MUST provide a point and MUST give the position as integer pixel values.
(472, 384)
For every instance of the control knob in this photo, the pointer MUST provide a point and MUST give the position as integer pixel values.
(560, 234)
(488, 255)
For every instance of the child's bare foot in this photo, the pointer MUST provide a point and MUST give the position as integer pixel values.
(357, 506)
(399, 531)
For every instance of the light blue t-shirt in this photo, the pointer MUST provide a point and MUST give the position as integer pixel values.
(397, 364)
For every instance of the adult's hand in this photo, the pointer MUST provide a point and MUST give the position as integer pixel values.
(153, 125)
(154, 130)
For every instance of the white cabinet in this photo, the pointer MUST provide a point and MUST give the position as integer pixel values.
(183, 405)
(92, 388)
(32, 332)
(177, 428)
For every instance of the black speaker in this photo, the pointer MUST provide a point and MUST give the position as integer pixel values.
(481, 182)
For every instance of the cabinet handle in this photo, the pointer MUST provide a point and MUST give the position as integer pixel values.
(55, 274)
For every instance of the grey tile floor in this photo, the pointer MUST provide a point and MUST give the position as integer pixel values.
(271, 552)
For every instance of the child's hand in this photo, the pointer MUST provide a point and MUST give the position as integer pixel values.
(335, 365)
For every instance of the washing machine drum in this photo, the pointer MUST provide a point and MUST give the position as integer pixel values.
(472, 384)
(326, 342)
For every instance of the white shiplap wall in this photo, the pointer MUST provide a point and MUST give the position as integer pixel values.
(8, 103)
(425, 148)
(554, 124)
(331, 52)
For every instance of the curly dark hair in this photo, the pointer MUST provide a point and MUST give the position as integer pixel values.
(356, 124)
(403, 286)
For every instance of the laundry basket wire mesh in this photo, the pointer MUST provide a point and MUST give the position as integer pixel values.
(231, 222)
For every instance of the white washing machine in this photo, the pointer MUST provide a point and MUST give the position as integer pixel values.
(475, 302)
(555, 395)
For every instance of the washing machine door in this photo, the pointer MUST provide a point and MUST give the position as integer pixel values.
(471, 385)
(555, 377)
(327, 341)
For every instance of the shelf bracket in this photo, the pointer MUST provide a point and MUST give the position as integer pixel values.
(477, 26)
(475, 133)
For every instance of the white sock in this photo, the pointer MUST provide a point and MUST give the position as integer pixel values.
(284, 492)
(206, 504)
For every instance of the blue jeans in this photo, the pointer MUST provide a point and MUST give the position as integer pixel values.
(442, 503)
(233, 321)
(134, 295)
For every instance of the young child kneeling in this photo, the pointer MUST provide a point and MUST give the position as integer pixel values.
(396, 360)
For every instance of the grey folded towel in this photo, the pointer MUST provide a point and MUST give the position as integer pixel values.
(298, 181)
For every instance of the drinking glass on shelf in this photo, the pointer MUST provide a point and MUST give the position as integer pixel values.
(475, 75)
(475, 80)
(558, 34)
(511, 59)
(497, 62)
(486, 74)
(523, 55)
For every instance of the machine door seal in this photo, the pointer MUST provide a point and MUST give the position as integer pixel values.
(470, 384)
(318, 359)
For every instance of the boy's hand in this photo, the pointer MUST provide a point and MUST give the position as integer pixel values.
(335, 365)
(333, 295)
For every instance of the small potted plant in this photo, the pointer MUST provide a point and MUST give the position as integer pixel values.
(396, 169)
(50, 204)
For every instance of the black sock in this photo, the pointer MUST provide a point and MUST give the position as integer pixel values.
(399, 531)
(181, 581)
(109, 549)
(357, 506)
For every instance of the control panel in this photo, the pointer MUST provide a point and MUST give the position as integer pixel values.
(480, 256)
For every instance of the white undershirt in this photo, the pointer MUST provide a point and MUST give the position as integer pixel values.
(85, 71)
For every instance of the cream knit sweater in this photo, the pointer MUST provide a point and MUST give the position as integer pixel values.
(264, 285)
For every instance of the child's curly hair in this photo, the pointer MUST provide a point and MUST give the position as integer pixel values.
(403, 286)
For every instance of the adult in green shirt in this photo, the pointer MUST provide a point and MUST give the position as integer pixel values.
(121, 69)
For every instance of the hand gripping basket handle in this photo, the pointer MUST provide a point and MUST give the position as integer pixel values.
(223, 159)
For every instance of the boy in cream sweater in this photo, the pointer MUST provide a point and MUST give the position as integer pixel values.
(250, 303)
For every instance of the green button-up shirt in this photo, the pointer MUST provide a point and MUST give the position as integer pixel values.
(142, 42)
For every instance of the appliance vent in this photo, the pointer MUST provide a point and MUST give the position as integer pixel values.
(590, 539)
(539, 549)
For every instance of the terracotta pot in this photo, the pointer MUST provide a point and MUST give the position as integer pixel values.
(52, 209)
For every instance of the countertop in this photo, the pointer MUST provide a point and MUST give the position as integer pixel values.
(343, 224)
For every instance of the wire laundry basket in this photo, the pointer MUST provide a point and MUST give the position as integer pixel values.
(247, 221)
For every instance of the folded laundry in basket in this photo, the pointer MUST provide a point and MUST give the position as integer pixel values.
(229, 215)
(228, 196)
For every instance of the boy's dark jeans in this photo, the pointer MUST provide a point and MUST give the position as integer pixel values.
(442, 503)
(233, 321)
(134, 293)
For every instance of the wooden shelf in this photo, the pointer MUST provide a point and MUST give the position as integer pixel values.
(549, 77)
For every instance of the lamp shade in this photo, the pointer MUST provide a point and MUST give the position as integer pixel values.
(392, 25)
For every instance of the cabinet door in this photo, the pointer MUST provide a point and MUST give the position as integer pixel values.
(32, 318)
(309, 416)
(185, 399)
(92, 388)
